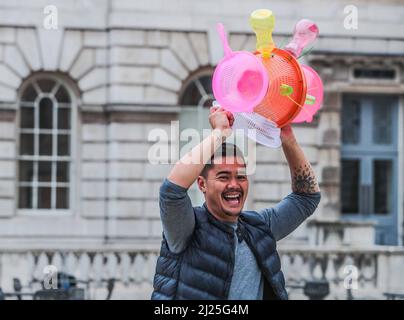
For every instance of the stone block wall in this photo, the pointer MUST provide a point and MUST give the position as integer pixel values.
(128, 71)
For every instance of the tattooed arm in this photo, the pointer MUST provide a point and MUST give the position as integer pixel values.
(302, 174)
(296, 207)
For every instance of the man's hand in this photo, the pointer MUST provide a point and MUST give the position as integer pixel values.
(222, 120)
(287, 135)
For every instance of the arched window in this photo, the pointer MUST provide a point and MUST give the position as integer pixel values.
(198, 91)
(196, 98)
(45, 136)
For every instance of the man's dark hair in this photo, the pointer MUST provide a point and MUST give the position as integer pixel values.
(225, 150)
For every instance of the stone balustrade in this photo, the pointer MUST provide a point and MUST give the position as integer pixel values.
(368, 272)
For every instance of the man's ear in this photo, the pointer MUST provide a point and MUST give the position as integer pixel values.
(201, 184)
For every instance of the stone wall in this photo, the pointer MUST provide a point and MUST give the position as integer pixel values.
(128, 62)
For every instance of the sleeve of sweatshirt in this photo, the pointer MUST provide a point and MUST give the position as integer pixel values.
(177, 215)
(290, 213)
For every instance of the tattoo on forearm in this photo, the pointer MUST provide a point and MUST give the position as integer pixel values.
(304, 180)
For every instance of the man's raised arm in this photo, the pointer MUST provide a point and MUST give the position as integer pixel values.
(189, 167)
(303, 178)
(288, 214)
(176, 209)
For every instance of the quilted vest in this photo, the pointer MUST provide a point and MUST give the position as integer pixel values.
(204, 269)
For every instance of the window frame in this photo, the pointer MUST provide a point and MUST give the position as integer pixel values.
(367, 152)
(371, 81)
(72, 183)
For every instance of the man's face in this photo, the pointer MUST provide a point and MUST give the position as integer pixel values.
(225, 188)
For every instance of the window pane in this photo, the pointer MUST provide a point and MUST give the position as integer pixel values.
(350, 186)
(63, 118)
(207, 84)
(46, 114)
(25, 196)
(62, 196)
(45, 144)
(208, 102)
(63, 145)
(26, 144)
(191, 95)
(374, 73)
(382, 124)
(351, 121)
(44, 198)
(29, 94)
(62, 171)
(25, 171)
(382, 177)
(46, 85)
(62, 95)
(44, 171)
(27, 118)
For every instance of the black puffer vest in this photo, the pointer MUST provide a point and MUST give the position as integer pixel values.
(204, 269)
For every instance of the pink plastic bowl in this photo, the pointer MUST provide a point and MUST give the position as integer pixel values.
(315, 89)
(240, 80)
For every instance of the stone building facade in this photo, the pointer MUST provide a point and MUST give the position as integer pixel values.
(128, 68)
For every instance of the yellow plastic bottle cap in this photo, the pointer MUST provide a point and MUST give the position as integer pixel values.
(262, 19)
(263, 22)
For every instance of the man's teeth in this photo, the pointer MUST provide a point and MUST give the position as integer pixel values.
(232, 196)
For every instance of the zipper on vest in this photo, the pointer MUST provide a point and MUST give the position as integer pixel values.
(233, 262)
(240, 235)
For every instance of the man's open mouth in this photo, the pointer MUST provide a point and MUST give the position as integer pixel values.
(232, 198)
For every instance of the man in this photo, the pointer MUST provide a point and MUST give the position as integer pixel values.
(218, 251)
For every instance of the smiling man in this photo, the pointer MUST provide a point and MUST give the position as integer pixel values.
(217, 250)
(224, 183)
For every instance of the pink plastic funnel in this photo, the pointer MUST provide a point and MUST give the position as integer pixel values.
(240, 80)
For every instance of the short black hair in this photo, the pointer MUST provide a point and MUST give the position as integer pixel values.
(225, 150)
